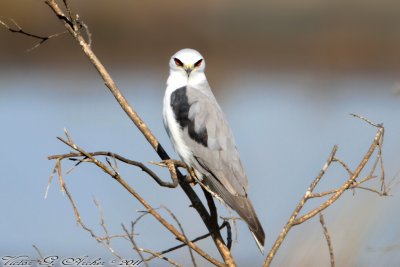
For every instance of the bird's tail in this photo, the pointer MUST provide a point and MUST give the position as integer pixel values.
(254, 224)
(243, 206)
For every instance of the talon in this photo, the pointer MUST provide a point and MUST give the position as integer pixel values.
(189, 179)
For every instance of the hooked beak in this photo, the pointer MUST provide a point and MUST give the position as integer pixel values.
(188, 70)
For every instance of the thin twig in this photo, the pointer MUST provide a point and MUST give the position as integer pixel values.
(195, 201)
(149, 208)
(328, 239)
(67, 7)
(344, 165)
(50, 180)
(80, 222)
(295, 220)
(173, 166)
(183, 232)
(157, 255)
(347, 184)
(135, 246)
(21, 31)
(377, 125)
(298, 208)
(224, 224)
(143, 167)
(354, 185)
(38, 252)
(102, 221)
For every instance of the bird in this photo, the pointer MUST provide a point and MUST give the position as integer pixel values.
(203, 139)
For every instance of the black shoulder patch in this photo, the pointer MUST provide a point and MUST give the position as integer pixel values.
(180, 105)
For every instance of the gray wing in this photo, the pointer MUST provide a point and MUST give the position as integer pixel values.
(212, 143)
(207, 134)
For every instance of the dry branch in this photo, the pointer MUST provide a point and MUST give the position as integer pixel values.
(182, 231)
(195, 201)
(328, 239)
(21, 31)
(134, 245)
(74, 26)
(148, 207)
(144, 168)
(350, 183)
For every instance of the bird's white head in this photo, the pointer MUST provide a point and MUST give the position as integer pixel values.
(187, 66)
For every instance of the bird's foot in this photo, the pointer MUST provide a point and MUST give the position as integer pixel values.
(189, 179)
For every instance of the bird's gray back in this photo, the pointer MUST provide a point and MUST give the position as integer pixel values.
(207, 134)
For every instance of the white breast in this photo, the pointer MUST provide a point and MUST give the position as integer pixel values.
(173, 128)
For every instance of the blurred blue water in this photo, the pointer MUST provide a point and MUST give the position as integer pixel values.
(285, 127)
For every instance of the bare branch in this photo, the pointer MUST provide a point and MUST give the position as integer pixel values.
(135, 246)
(224, 224)
(149, 208)
(347, 184)
(72, 156)
(78, 217)
(74, 25)
(380, 125)
(21, 31)
(67, 7)
(58, 165)
(50, 180)
(157, 255)
(301, 204)
(195, 201)
(344, 165)
(328, 239)
(102, 221)
(183, 232)
(40, 259)
(354, 185)
(351, 182)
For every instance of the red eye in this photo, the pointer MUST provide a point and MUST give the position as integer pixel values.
(178, 62)
(198, 63)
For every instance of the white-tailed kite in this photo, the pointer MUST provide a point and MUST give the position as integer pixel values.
(201, 136)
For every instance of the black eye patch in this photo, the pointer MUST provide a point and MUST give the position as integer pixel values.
(198, 63)
(178, 62)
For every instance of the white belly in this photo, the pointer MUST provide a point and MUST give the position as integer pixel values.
(174, 131)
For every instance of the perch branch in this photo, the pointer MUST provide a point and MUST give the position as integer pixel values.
(108, 81)
(143, 167)
(148, 207)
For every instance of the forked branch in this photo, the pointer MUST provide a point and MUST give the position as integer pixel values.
(109, 82)
(180, 236)
(74, 26)
(144, 168)
(350, 183)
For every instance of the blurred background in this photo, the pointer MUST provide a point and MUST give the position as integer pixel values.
(286, 73)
